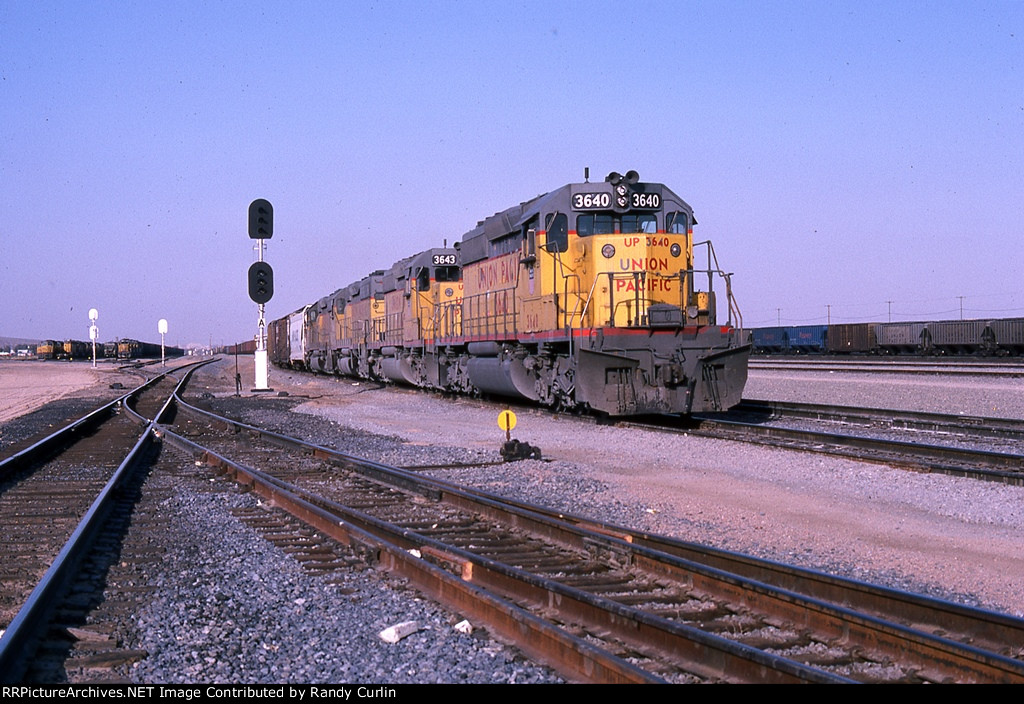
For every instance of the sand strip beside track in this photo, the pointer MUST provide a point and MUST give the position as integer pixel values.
(26, 386)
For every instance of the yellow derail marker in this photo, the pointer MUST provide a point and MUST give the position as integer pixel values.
(507, 421)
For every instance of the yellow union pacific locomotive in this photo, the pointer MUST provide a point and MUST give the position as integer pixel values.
(587, 296)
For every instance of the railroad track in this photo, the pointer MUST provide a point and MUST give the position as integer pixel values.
(954, 367)
(961, 427)
(57, 499)
(595, 601)
(598, 602)
(958, 454)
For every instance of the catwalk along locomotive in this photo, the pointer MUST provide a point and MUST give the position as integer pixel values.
(585, 297)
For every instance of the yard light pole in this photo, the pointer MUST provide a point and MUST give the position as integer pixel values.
(161, 327)
(94, 332)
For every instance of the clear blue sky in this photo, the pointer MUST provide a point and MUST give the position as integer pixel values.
(843, 153)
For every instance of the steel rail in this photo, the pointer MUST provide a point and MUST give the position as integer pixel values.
(477, 578)
(865, 367)
(938, 459)
(975, 426)
(61, 438)
(579, 659)
(997, 632)
(20, 640)
(895, 636)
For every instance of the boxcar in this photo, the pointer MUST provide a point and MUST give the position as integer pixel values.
(850, 338)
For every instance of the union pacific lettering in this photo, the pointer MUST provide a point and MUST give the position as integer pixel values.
(643, 264)
(652, 284)
(498, 273)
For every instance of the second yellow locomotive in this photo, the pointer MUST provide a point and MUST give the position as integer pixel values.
(587, 296)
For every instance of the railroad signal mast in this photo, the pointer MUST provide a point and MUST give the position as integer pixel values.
(261, 283)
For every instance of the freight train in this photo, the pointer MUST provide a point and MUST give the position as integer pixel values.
(120, 349)
(587, 297)
(982, 337)
(68, 349)
(133, 349)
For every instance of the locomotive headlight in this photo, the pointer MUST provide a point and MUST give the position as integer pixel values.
(608, 251)
(622, 195)
(675, 250)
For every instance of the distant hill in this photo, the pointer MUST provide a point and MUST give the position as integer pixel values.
(8, 342)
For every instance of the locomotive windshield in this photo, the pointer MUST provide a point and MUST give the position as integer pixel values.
(609, 223)
(447, 273)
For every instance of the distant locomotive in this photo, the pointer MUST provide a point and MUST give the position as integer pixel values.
(120, 349)
(74, 349)
(587, 296)
(981, 337)
(48, 349)
(133, 349)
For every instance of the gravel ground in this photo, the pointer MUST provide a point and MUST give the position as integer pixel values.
(36, 396)
(946, 536)
(237, 609)
(972, 395)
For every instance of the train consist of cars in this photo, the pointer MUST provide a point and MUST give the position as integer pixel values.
(133, 349)
(67, 349)
(247, 347)
(943, 337)
(118, 349)
(585, 297)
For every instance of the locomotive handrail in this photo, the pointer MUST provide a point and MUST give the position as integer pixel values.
(566, 316)
(583, 313)
(731, 305)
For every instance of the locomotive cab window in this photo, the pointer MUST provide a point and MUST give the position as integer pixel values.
(423, 280)
(677, 224)
(600, 224)
(594, 224)
(447, 273)
(558, 233)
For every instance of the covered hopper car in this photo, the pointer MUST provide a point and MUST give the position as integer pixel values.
(943, 337)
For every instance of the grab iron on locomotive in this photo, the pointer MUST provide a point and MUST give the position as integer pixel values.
(585, 297)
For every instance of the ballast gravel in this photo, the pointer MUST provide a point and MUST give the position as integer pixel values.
(950, 537)
(234, 608)
(228, 606)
